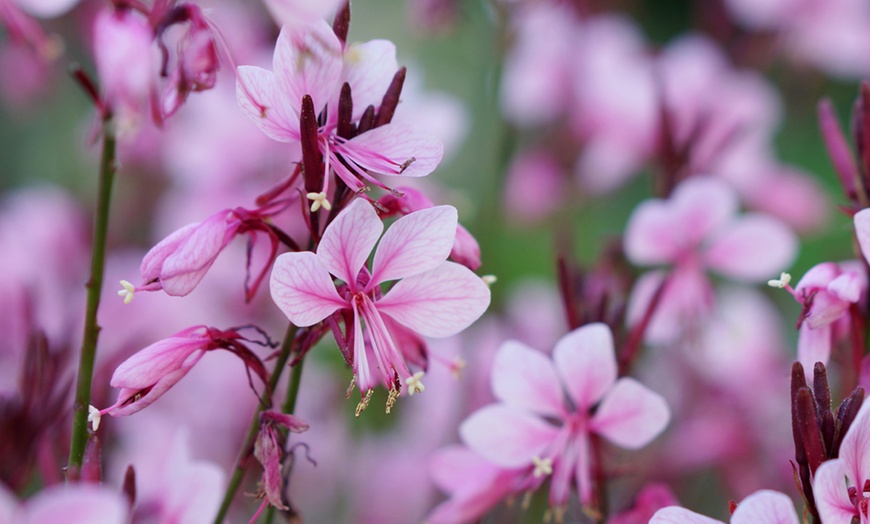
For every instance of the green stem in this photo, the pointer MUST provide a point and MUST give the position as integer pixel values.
(248, 446)
(95, 287)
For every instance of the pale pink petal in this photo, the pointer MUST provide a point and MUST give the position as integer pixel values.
(308, 61)
(826, 309)
(819, 276)
(77, 504)
(832, 498)
(465, 249)
(525, 378)
(259, 95)
(677, 515)
(46, 8)
(415, 243)
(862, 231)
(349, 239)
(369, 68)
(846, 287)
(765, 507)
(752, 248)
(294, 12)
(437, 303)
(814, 345)
(583, 471)
(703, 204)
(507, 436)
(145, 367)
(187, 265)
(394, 149)
(631, 415)
(303, 290)
(855, 449)
(132, 400)
(586, 362)
(652, 235)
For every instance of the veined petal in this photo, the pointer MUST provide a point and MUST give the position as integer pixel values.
(832, 498)
(307, 61)
(587, 363)
(507, 436)
(394, 149)
(303, 290)
(855, 449)
(525, 378)
(765, 507)
(369, 68)
(133, 400)
(145, 367)
(752, 248)
(185, 267)
(415, 243)
(438, 303)
(349, 239)
(631, 415)
(862, 231)
(677, 515)
(259, 96)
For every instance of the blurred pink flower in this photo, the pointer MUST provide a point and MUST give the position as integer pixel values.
(840, 502)
(651, 498)
(432, 297)
(70, 504)
(544, 420)
(310, 61)
(762, 507)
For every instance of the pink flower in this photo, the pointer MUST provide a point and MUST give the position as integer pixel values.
(432, 297)
(269, 453)
(839, 502)
(549, 409)
(696, 230)
(762, 507)
(71, 504)
(310, 61)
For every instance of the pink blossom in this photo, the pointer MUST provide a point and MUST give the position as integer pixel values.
(762, 507)
(548, 411)
(839, 502)
(270, 454)
(696, 230)
(432, 297)
(651, 498)
(310, 60)
(71, 504)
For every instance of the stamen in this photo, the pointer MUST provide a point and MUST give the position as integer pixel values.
(364, 403)
(351, 386)
(415, 385)
(94, 417)
(542, 466)
(319, 200)
(489, 280)
(783, 281)
(457, 366)
(127, 292)
(527, 500)
(391, 399)
(406, 164)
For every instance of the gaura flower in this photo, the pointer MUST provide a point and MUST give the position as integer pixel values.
(762, 507)
(431, 297)
(840, 485)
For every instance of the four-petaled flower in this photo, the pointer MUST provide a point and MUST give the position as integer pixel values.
(548, 411)
(432, 297)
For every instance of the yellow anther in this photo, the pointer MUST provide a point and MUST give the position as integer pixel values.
(391, 399)
(415, 385)
(364, 403)
(318, 200)
(128, 291)
(784, 279)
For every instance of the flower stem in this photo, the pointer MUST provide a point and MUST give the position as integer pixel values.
(248, 446)
(95, 287)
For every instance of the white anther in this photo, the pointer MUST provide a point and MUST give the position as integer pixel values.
(127, 292)
(415, 385)
(489, 280)
(784, 279)
(318, 200)
(543, 466)
(94, 417)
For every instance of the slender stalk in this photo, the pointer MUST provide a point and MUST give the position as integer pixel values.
(248, 446)
(95, 287)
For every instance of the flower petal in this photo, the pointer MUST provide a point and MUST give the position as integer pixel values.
(765, 507)
(77, 504)
(394, 149)
(303, 290)
(308, 61)
(862, 231)
(415, 243)
(349, 239)
(855, 449)
(259, 96)
(586, 362)
(649, 235)
(437, 303)
(832, 498)
(146, 367)
(506, 436)
(525, 378)
(677, 515)
(369, 68)
(185, 267)
(752, 248)
(631, 415)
